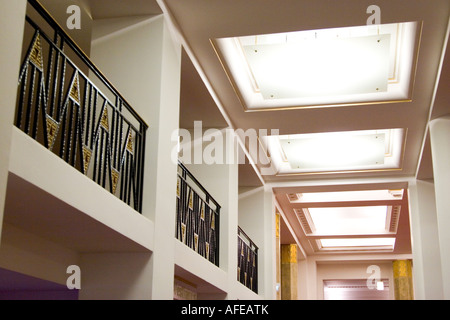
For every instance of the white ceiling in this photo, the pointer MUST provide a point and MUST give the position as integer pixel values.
(201, 21)
(198, 22)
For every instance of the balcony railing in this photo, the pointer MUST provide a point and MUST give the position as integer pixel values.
(197, 216)
(247, 261)
(60, 104)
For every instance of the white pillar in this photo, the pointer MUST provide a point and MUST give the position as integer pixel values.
(427, 270)
(307, 279)
(165, 184)
(269, 253)
(257, 219)
(221, 181)
(141, 58)
(12, 17)
(440, 149)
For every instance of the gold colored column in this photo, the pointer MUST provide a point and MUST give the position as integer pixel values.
(278, 258)
(289, 272)
(403, 285)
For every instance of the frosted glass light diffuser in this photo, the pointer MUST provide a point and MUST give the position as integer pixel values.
(320, 67)
(334, 150)
(358, 195)
(349, 220)
(323, 67)
(358, 242)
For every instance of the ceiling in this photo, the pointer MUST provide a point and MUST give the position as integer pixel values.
(307, 238)
(201, 22)
(208, 93)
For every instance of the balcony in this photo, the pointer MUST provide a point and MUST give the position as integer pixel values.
(247, 273)
(65, 103)
(197, 216)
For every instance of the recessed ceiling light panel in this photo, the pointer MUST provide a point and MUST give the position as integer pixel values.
(357, 242)
(336, 151)
(320, 67)
(349, 220)
(324, 67)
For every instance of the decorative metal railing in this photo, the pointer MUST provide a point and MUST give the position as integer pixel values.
(197, 216)
(247, 272)
(94, 130)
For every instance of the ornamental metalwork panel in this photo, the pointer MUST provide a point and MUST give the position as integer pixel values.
(94, 130)
(247, 270)
(197, 217)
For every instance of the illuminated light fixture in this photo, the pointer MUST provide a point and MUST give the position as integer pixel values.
(357, 195)
(357, 242)
(325, 67)
(337, 151)
(349, 220)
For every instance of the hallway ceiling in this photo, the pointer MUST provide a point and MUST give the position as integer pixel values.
(210, 94)
(200, 23)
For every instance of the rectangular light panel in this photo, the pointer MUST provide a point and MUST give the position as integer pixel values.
(349, 220)
(336, 150)
(320, 67)
(355, 242)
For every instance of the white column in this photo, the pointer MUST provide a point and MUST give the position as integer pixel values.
(307, 279)
(440, 149)
(165, 182)
(221, 181)
(269, 254)
(257, 219)
(12, 17)
(143, 61)
(427, 270)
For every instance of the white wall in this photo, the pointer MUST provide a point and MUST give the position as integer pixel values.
(439, 133)
(29, 254)
(221, 181)
(352, 270)
(425, 241)
(257, 219)
(139, 57)
(58, 10)
(115, 276)
(12, 17)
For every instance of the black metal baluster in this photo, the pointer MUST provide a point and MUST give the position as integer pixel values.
(105, 154)
(22, 94)
(60, 105)
(128, 179)
(101, 153)
(37, 106)
(94, 130)
(76, 132)
(87, 118)
(70, 109)
(49, 76)
(30, 101)
(95, 150)
(63, 132)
